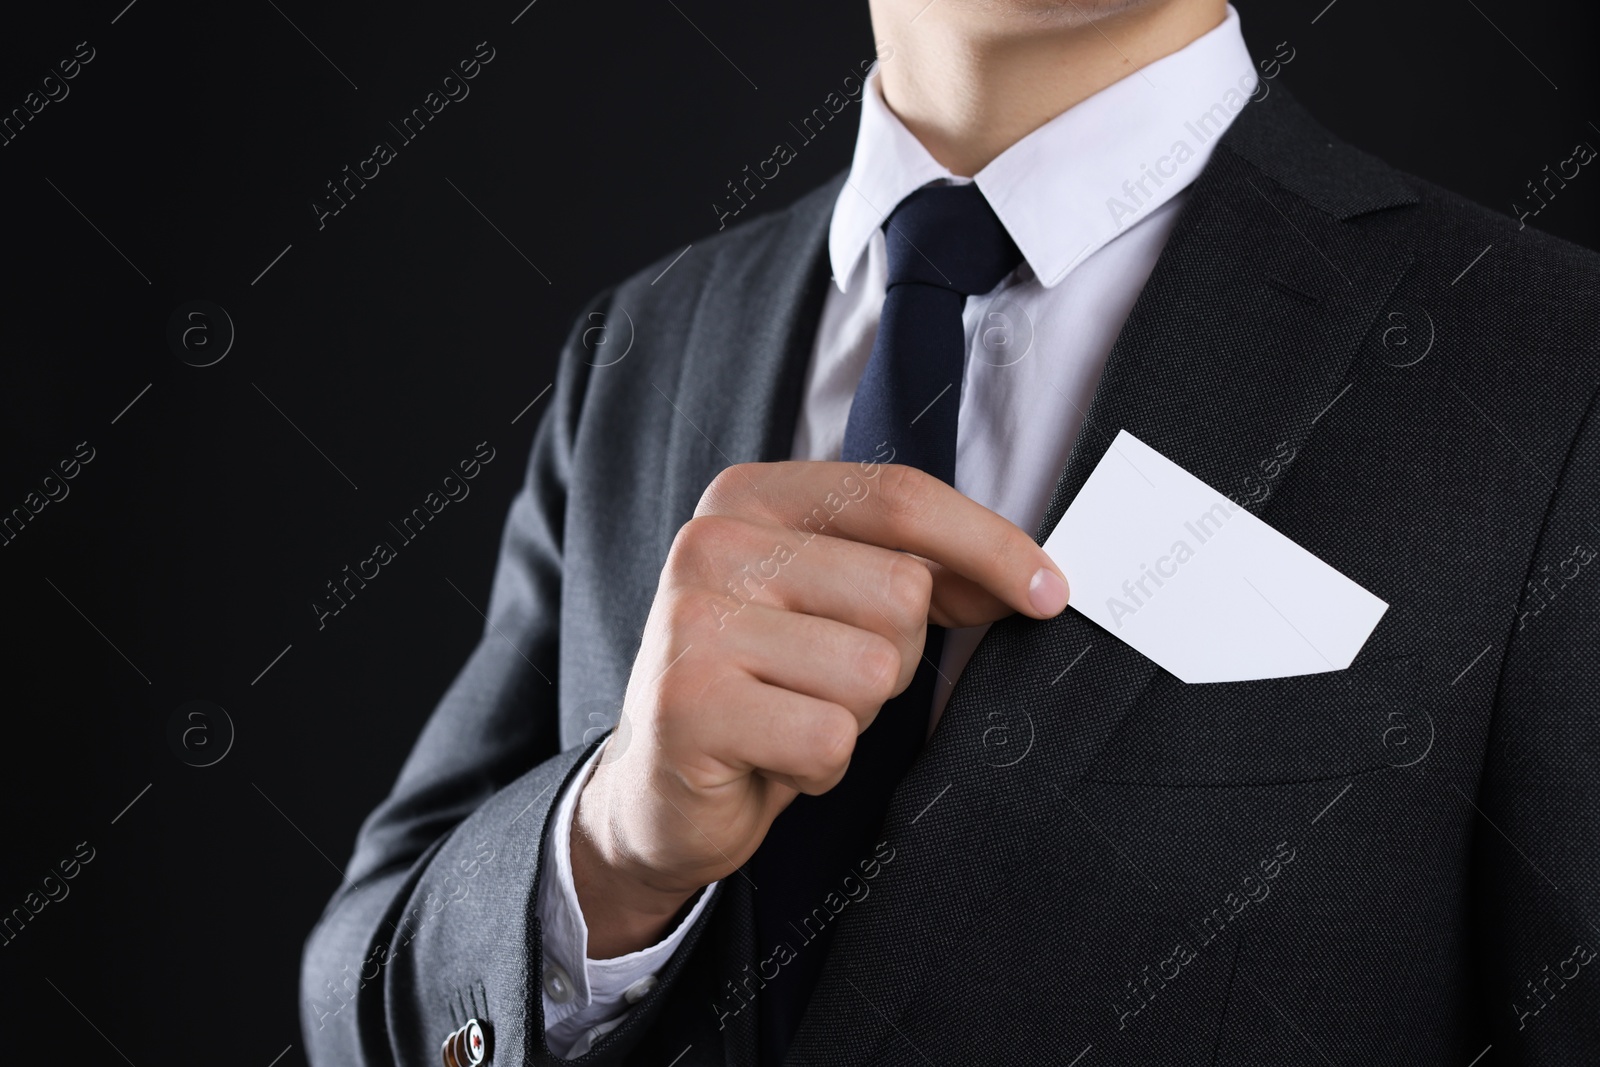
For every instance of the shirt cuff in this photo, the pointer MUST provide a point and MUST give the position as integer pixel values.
(584, 998)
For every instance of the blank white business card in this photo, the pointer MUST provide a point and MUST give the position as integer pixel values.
(1211, 593)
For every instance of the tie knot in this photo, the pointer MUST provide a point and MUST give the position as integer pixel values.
(948, 236)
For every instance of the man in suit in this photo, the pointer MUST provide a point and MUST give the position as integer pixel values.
(872, 796)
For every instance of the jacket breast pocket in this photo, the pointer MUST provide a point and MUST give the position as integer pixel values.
(1364, 718)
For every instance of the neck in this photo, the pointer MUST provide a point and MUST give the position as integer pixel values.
(971, 78)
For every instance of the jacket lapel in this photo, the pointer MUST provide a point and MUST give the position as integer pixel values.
(737, 394)
(1240, 340)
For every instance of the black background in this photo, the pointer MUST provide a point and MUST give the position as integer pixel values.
(370, 358)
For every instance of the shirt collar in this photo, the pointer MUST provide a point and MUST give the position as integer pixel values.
(1072, 185)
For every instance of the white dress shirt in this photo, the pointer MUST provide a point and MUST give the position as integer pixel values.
(1089, 198)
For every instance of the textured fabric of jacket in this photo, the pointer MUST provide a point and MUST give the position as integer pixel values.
(1092, 862)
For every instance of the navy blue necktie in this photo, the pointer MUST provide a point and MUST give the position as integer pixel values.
(945, 243)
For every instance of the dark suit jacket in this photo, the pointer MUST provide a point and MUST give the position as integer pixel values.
(1399, 862)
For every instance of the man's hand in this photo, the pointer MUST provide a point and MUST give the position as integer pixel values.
(791, 607)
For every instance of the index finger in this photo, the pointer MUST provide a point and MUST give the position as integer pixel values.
(896, 507)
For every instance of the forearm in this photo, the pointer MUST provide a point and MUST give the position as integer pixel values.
(341, 1009)
(397, 958)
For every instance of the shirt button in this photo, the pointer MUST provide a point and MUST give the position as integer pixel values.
(557, 983)
(640, 989)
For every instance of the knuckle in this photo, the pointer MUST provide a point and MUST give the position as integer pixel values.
(878, 667)
(1011, 553)
(699, 532)
(833, 742)
(907, 494)
(910, 588)
(702, 540)
(684, 613)
(727, 491)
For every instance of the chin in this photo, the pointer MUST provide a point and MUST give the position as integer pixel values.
(1060, 12)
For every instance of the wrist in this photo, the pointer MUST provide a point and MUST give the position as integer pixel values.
(624, 905)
